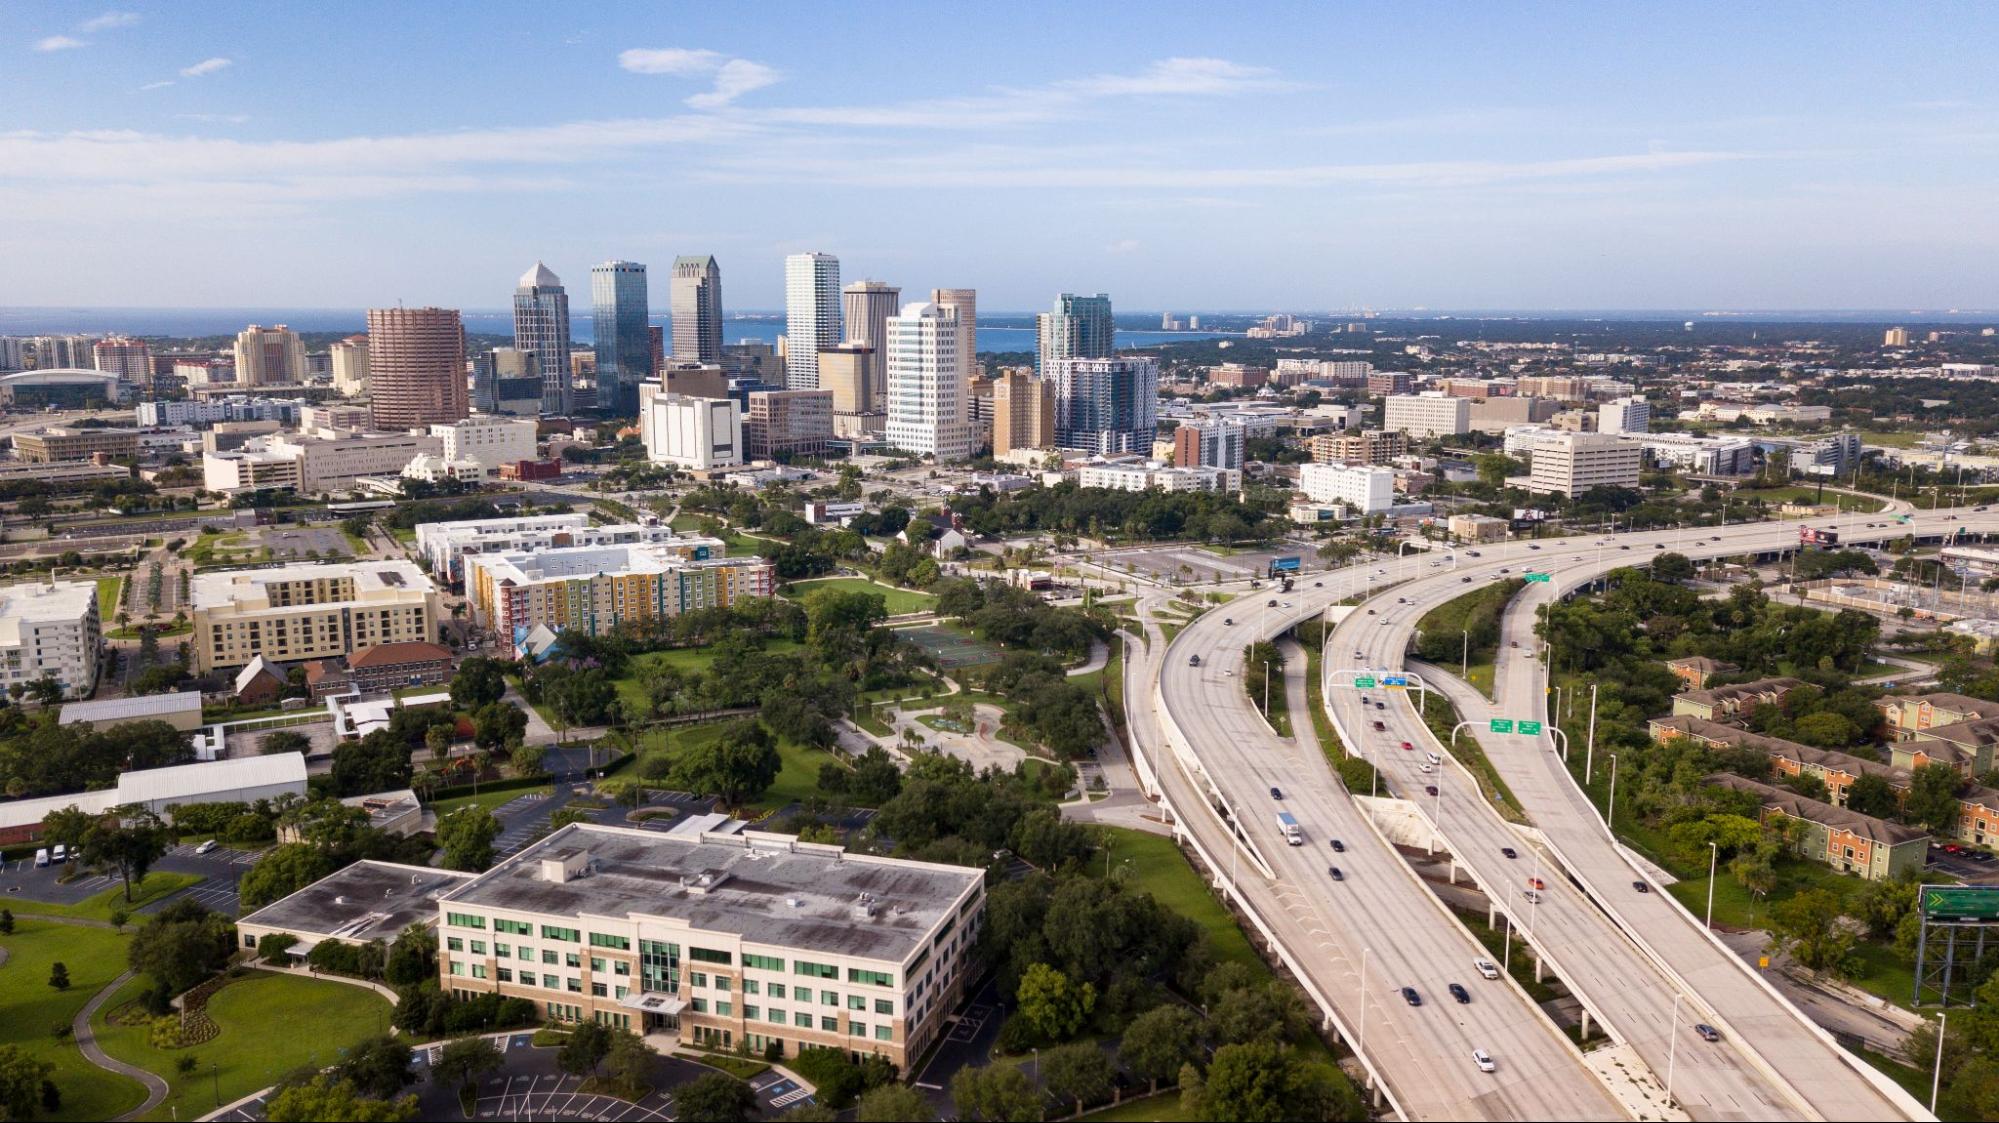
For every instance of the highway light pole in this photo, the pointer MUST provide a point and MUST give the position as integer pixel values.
(1464, 656)
(1360, 1045)
(1673, 1050)
(1610, 818)
(1589, 754)
(1713, 859)
(1936, 1076)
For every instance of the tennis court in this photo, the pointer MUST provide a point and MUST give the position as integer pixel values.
(953, 649)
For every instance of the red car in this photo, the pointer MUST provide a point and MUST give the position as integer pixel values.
(1536, 883)
(1407, 745)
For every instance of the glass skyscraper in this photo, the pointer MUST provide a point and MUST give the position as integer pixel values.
(1105, 405)
(1079, 327)
(541, 326)
(811, 315)
(623, 338)
(697, 309)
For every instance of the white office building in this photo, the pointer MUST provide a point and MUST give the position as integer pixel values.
(1155, 476)
(1363, 487)
(1427, 415)
(928, 412)
(811, 315)
(487, 441)
(1572, 463)
(445, 546)
(698, 434)
(1701, 456)
(1624, 415)
(50, 630)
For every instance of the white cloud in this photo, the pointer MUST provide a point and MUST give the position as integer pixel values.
(734, 77)
(215, 118)
(1123, 246)
(59, 43)
(205, 67)
(110, 20)
(157, 85)
(1180, 76)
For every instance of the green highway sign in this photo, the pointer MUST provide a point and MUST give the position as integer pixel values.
(1502, 725)
(1364, 682)
(1529, 727)
(1537, 577)
(1961, 902)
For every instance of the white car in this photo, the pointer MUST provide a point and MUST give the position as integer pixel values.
(1486, 968)
(1426, 768)
(1483, 1060)
(205, 847)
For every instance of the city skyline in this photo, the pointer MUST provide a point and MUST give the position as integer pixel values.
(1512, 160)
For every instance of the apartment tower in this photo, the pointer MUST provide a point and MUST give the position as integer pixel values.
(416, 367)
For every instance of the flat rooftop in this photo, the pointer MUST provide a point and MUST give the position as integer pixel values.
(43, 601)
(249, 588)
(365, 901)
(767, 888)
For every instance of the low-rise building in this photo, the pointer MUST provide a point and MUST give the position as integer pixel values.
(1366, 489)
(1836, 770)
(180, 709)
(1477, 528)
(385, 667)
(311, 611)
(1155, 476)
(1360, 446)
(754, 940)
(1848, 841)
(1695, 670)
(1426, 415)
(1721, 703)
(1573, 463)
(55, 443)
(50, 630)
(487, 440)
(595, 588)
(357, 904)
(445, 546)
(1908, 713)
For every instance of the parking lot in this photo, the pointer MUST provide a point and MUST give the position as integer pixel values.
(303, 542)
(1975, 866)
(531, 1087)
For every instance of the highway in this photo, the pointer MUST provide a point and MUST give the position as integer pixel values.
(1771, 1063)
(1380, 919)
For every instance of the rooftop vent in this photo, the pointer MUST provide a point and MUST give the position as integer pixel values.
(865, 906)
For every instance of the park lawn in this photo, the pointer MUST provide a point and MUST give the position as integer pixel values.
(1158, 867)
(262, 1016)
(1162, 1108)
(797, 777)
(100, 907)
(108, 589)
(487, 800)
(898, 601)
(94, 957)
(404, 535)
(1895, 438)
(690, 660)
(1773, 496)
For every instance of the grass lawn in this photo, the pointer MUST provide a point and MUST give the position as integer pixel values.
(487, 800)
(160, 631)
(690, 660)
(1157, 866)
(1900, 438)
(1442, 717)
(797, 780)
(261, 1016)
(898, 601)
(1776, 496)
(100, 907)
(1162, 1108)
(108, 589)
(94, 957)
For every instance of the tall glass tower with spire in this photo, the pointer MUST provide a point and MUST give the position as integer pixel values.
(541, 326)
(623, 339)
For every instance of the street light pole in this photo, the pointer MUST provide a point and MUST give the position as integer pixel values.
(1610, 819)
(1361, 1044)
(1673, 1050)
(1936, 1077)
(1589, 754)
(1713, 859)
(1464, 656)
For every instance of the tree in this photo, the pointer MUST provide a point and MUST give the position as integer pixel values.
(1267, 1012)
(894, 1103)
(527, 760)
(628, 1061)
(127, 841)
(1079, 1072)
(1672, 567)
(588, 1044)
(1871, 794)
(478, 682)
(377, 1067)
(6, 922)
(1825, 730)
(438, 740)
(714, 1097)
(1932, 798)
(59, 975)
(284, 741)
(998, 1093)
(1812, 928)
(1263, 1082)
(464, 1061)
(496, 724)
(181, 945)
(739, 764)
(328, 1099)
(466, 837)
(1159, 1041)
(21, 1079)
(1052, 1004)
(283, 870)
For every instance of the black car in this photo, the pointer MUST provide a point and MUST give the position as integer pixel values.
(1334, 871)
(1464, 580)
(1410, 996)
(1275, 794)
(1270, 603)
(1339, 847)
(1707, 1032)
(1429, 789)
(1509, 851)
(1641, 887)
(1460, 993)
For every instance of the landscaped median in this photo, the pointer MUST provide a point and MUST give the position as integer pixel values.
(1463, 632)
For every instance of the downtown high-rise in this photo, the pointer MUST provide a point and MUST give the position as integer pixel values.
(623, 339)
(964, 303)
(811, 315)
(1105, 405)
(696, 299)
(927, 389)
(416, 367)
(1078, 327)
(868, 305)
(541, 326)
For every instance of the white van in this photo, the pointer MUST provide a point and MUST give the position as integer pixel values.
(42, 857)
(1486, 968)
(60, 855)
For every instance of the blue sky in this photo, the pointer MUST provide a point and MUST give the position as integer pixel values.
(1302, 157)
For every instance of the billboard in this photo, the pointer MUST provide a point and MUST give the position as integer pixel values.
(1811, 536)
(1285, 565)
(1961, 902)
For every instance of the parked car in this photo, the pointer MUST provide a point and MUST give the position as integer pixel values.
(205, 847)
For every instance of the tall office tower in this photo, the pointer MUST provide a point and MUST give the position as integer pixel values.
(1105, 405)
(658, 336)
(541, 325)
(506, 380)
(350, 365)
(964, 302)
(622, 338)
(130, 359)
(416, 367)
(14, 352)
(1079, 327)
(697, 309)
(926, 387)
(62, 352)
(1023, 412)
(272, 356)
(848, 371)
(1624, 415)
(867, 306)
(811, 315)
